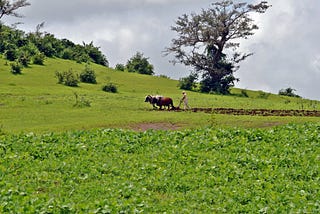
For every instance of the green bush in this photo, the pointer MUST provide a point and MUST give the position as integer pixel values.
(88, 75)
(24, 58)
(188, 83)
(110, 88)
(289, 92)
(11, 54)
(120, 67)
(38, 59)
(16, 68)
(68, 78)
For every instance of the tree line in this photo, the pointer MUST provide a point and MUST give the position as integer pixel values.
(27, 48)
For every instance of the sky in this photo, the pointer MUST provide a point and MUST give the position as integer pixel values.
(286, 47)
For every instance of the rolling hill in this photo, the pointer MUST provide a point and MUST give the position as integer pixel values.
(35, 102)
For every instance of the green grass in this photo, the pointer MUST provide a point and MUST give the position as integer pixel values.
(34, 102)
(191, 171)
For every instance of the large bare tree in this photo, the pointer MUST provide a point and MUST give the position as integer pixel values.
(209, 41)
(8, 8)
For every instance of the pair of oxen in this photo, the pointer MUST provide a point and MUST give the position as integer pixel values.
(160, 101)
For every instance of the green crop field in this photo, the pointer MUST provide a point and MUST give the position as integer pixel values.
(206, 170)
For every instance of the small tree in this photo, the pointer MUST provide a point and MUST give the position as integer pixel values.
(288, 92)
(189, 82)
(68, 78)
(110, 87)
(140, 64)
(208, 41)
(9, 9)
(120, 67)
(88, 75)
(16, 68)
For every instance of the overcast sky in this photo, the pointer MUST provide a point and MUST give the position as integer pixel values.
(286, 47)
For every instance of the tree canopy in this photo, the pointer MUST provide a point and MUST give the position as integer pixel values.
(139, 64)
(208, 41)
(17, 45)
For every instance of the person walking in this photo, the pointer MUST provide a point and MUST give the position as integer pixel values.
(184, 100)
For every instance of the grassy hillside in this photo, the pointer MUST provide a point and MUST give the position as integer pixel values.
(35, 102)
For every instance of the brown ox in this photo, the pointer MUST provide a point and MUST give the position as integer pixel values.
(160, 101)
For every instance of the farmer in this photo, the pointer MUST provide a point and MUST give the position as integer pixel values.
(184, 99)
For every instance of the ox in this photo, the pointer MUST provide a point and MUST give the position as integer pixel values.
(160, 101)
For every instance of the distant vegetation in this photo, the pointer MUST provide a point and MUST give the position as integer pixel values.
(288, 92)
(138, 63)
(27, 48)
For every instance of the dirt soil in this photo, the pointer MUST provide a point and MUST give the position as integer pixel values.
(259, 112)
(231, 111)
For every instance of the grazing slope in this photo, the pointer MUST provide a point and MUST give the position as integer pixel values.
(33, 101)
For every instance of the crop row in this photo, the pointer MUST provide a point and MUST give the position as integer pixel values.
(193, 171)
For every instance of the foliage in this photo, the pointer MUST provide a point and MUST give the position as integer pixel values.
(68, 78)
(39, 58)
(88, 75)
(288, 92)
(120, 67)
(110, 87)
(81, 101)
(189, 82)
(205, 39)
(16, 68)
(139, 64)
(14, 42)
(192, 171)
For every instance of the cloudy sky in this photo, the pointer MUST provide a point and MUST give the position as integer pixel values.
(286, 47)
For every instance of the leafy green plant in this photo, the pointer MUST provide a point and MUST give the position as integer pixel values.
(81, 102)
(16, 68)
(68, 78)
(110, 87)
(197, 170)
(120, 67)
(38, 59)
(288, 92)
(88, 75)
(188, 83)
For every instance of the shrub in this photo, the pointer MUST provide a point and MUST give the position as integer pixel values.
(88, 75)
(110, 88)
(38, 59)
(16, 68)
(139, 64)
(68, 78)
(11, 55)
(288, 92)
(81, 101)
(24, 59)
(188, 83)
(120, 67)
